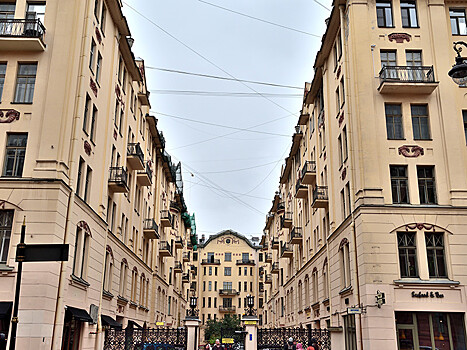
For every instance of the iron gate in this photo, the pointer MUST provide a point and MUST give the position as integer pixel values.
(146, 339)
(275, 338)
(233, 338)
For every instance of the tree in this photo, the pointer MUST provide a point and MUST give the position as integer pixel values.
(213, 327)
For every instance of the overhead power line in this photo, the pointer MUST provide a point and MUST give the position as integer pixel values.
(220, 125)
(222, 94)
(237, 193)
(259, 19)
(237, 170)
(223, 78)
(203, 57)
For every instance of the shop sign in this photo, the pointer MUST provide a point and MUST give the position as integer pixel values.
(160, 323)
(422, 295)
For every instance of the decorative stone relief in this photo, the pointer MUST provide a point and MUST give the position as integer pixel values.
(98, 35)
(93, 86)
(87, 148)
(8, 115)
(399, 37)
(411, 151)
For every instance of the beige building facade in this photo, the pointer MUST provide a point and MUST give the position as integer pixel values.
(366, 233)
(84, 164)
(227, 272)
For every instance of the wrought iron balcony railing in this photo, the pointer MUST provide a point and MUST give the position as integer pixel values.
(227, 308)
(296, 233)
(166, 218)
(286, 220)
(245, 262)
(286, 250)
(409, 74)
(228, 292)
(118, 176)
(308, 167)
(22, 28)
(320, 193)
(150, 225)
(166, 247)
(275, 267)
(134, 150)
(210, 261)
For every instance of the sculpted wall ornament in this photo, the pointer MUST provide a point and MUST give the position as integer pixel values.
(87, 147)
(93, 86)
(344, 173)
(341, 118)
(419, 226)
(399, 37)
(8, 115)
(84, 226)
(411, 151)
(98, 35)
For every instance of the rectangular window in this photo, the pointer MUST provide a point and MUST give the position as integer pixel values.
(409, 14)
(342, 92)
(87, 185)
(464, 118)
(407, 254)
(96, 8)
(245, 257)
(339, 144)
(209, 305)
(87, 107)
(227, 285)
(209, 286)
(2, 78)
(426, 184)
(245, 271)
(103, 13)
(227, 302)
(420, 125)
(228, 257)
(394, 126)
(25, 82)
(80, 175)
(239, 271)
(435, 253)
(458, 26)
(98, 67)
(388, 60)
(6, 222)
(350, 332)
(14, 155)
(245, 286)
(399, 184)
(227, 271)
(239, 286)
(260, 257)
(384, 13)
(338, 100)
(7, 11)
(91, 55)
(347, 190)
(413, 58)
(344, 143)
(210, 270)
(93, 123)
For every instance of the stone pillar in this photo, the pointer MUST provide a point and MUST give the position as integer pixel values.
(192, 325)
(251, 328)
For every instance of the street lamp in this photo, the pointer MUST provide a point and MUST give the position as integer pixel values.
(193, 311)
(250, 302)
(458, 72)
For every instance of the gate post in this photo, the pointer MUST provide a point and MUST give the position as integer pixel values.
(192, 327)
(251, 330)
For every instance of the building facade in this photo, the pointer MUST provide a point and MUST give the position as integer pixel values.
(227, 272)
(366, 233)
(84, 164)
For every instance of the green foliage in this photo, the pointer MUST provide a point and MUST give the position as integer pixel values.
(213, 327)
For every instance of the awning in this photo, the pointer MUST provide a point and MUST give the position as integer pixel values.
(134, 324)
(79, 314)
(109, 321)
(5, 309)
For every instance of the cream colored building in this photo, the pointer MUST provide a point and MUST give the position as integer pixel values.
(372, 197)
(85, 164)
(227, 272)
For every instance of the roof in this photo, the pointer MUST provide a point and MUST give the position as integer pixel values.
(229, 232)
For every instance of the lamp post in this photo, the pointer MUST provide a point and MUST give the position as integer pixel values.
(193, 311)
(250, 302)
(458, 72)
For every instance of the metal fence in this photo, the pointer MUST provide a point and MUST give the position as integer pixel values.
(146, 339)
(275, 338)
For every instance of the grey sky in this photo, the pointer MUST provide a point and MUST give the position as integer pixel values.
(245, 49)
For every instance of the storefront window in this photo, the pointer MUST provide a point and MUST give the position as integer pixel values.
(424, 330)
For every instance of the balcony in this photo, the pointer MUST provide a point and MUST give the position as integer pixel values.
(268, 257)
(144, 177)
(135, 156)
(268, 279)
(301, 190)
(286, 251)
(165, 250)
(186, 278)
(227, 309)
(174, 207)
(166, 218)
(286, 220)
(210, 261)
(320, 197)
(193, 286)
(21, 35)
(296, 235)
(186, 257)
(178, 242)
(280, 208)
(150, 229)
(303, 119)
(178, 267)
(275, 244)
(275, 268)
(228, 292)
(246, 262)
(407, 80)
(308, 173)
(118, 180)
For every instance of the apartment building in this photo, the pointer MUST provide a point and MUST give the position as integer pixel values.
(226, 266)
(366, 233)
(84, 164)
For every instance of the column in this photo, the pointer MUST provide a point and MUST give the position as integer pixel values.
(251, 329)
(192, 325)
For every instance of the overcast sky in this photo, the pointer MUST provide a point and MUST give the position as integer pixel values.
(194, 36)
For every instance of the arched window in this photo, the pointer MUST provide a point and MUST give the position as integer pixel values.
(300, 296)
(108, 269)
(82, 242)
(315, 285)
(142, 289)
(307, 292)
(344, 255)
(134, 284)
(325, 280)
(123, 278)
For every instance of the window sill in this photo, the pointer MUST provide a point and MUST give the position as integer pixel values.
(5, 268)
(79, 282)
(432, 282)
(122, 300)
(409, 27)
(326, 302)
(133, 305)
(346, 291)
(21, 103)
(107, 295)
(386, 27)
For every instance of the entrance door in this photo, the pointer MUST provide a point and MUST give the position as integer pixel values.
(406, 338)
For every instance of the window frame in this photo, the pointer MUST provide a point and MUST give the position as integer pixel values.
(406, 6)
(451, 17)
(397, 180)
(5, 237)
(435, 248)
(29, 84)
(2, 77)
(423, 185)
(384, 14)
(393, 121)
(19, 158)
(417, 123)
(405, 252)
